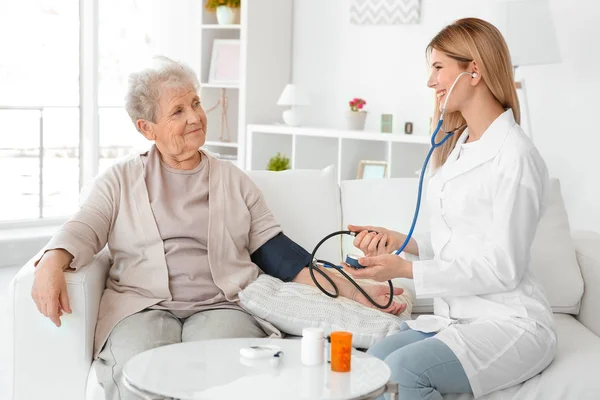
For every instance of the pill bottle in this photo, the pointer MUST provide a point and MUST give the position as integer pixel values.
(312, 346)
(341, 351)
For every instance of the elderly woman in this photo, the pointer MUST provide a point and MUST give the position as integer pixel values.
(186, 233)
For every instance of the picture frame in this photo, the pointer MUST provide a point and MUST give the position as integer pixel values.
(372, 170)
(225, 62)
(387, 123)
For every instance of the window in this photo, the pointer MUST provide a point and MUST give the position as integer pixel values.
(40, 80)
(39, 109)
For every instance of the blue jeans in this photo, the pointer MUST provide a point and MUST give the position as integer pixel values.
(422, 366)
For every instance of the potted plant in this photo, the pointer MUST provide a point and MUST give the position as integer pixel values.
(225, 9)
(356, 116)
(278, 163)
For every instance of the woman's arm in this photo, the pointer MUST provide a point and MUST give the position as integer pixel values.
(86, 232)
(284, 259)
(263, 226)
(281, 257)
(379, 293)
(72, 246)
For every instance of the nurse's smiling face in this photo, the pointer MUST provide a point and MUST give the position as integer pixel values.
(444, 71)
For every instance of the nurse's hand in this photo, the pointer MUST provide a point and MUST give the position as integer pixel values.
(381, 241)
(381, 268)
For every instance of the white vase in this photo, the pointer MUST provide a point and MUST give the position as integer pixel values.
(355, 120)
(225, 15)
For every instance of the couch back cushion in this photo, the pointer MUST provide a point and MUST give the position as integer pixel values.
(391, 203)
(307, 205)
(553, 257)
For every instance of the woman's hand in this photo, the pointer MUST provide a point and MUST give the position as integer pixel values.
(49, 289)
(381, 268)
(381, 295)
(382, 241)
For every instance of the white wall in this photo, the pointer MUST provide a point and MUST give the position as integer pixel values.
(335, 61)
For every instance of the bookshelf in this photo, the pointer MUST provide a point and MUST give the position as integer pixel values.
(264, 32)
(317, 148)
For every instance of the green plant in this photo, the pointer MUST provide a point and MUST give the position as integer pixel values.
(278, 163)
(211, 5)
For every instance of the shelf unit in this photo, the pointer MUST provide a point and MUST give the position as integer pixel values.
(316, 148)
(265, 34)
(221, 27)
(220, 144)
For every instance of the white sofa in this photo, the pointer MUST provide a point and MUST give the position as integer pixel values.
(55, 363)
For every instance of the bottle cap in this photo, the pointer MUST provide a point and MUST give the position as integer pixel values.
(312, 333)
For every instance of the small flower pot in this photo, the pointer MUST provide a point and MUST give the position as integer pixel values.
(225, 15)
(355, 120)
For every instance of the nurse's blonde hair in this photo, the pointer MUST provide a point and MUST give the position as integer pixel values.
(467, 40)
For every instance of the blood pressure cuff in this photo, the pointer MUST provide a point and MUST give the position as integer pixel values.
(281, 257)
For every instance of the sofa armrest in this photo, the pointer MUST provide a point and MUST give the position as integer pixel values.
(587, 247)
(50, 362)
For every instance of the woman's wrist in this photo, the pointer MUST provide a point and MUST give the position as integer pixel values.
(58, 258)
(346, 289)
(407, 269)
(354, 292)
(411, 246)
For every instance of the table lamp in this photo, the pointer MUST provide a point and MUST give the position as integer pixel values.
(292, 97)
(531, 38)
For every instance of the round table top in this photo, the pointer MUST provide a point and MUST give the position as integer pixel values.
(214, 369)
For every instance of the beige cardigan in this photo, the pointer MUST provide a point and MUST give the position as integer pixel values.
(118, 211)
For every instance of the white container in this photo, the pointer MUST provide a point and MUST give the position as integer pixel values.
(225, 15)
(312, 346)
(355, 120)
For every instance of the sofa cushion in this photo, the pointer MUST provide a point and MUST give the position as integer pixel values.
(307, 205)
(93, 390)
(572, 375)
(390, 203)
(291, 307)
(553, 257)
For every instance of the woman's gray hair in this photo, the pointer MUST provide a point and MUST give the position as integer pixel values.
(145, 87)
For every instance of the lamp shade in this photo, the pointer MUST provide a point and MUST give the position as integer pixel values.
(291, 96)
(530, 34)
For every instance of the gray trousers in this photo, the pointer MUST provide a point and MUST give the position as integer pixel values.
(153, 328)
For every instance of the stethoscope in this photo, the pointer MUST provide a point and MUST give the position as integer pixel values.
(353, 261)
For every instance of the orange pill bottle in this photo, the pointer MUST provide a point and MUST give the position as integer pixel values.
(341, 351)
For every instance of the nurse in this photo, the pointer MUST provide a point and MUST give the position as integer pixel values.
(492, 325)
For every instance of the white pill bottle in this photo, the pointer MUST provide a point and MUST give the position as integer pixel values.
(312, 346)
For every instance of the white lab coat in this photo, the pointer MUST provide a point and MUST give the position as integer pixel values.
(488, 307)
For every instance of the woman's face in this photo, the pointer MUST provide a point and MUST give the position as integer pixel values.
(444, 71)
(180, 127)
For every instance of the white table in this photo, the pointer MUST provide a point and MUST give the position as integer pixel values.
(214, 369)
